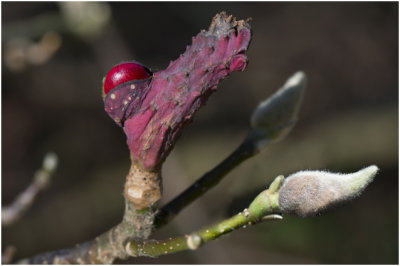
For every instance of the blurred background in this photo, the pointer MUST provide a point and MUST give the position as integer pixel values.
(54, 56)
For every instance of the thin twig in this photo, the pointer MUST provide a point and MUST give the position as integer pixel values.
(209, 180)
(11, 213)
(8, 255)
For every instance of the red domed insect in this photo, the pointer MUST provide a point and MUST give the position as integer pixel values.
(125, 72)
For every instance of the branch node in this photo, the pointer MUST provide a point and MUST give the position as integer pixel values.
(194, 241)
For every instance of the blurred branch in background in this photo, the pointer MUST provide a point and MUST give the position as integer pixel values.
(8, 255)
(86, 20)
(41, 180)
(20, 52)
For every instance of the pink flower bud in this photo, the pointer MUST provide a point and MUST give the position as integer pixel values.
(154, 111)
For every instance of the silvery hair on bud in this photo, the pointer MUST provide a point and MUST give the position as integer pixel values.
(307, 193)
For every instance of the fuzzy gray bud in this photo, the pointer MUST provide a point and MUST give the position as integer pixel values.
(307, 193)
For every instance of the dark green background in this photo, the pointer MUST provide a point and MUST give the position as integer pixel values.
(349, 120)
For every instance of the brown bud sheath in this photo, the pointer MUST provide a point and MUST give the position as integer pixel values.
(142, 187)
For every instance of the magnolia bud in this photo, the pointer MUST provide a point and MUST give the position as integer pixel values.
(306, 193)
(274, 118)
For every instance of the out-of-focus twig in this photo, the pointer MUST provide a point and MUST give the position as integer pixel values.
(36, 40)
(12, 212)
(8, 255)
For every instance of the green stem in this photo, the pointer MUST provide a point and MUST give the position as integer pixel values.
(210, 179)
(154, 248)
(264, 207)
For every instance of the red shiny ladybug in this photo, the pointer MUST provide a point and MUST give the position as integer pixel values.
(125, 72)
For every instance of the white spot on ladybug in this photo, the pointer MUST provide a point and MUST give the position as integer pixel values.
(177, 244)
(112, 96)
(133, 86)
(171, 247)
(125, 102)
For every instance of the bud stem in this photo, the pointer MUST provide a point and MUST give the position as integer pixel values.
(263, 208)
(209, 180)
